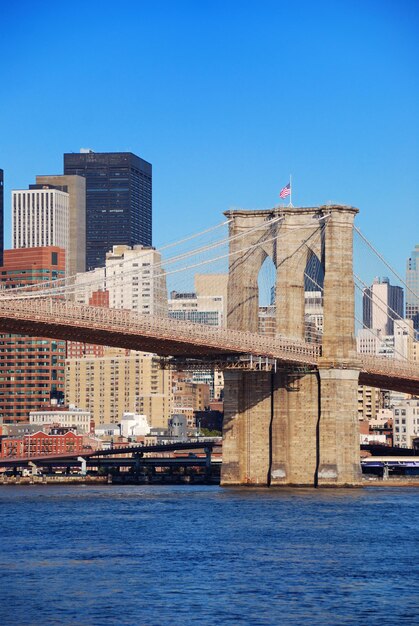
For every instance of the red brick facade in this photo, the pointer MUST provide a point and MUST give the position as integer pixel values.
(31, 368)
(41, 443)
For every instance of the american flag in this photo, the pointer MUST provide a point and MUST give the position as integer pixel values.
(285, 191)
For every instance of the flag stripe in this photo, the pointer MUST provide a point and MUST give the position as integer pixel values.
(285, 191)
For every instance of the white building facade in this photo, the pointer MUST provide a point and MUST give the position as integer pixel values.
(133, 277)
(406, 423)
(69, 418)
(40, 217)
(134, 425)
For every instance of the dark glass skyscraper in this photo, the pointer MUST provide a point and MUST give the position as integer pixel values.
(118, 200)
(1, 217)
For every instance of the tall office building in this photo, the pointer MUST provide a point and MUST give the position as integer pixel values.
(120, 381)
(118, 200)
(75, 186)
(40, 218)
(412, 293)
(382, 304)
(109, 381)
(1, 216)
(31, 368)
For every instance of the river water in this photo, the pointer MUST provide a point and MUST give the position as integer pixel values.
(181, 555)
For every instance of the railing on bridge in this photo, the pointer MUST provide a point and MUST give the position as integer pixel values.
(53, 308)
(57, 316)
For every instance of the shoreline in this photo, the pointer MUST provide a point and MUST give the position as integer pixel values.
(108, 480)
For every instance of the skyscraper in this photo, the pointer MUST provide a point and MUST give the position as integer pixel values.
(40, 217)
(118, 200)
(75, 186)
(412, 293)
(382, 304)
(1, 216)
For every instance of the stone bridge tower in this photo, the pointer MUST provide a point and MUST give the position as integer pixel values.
(293, 426)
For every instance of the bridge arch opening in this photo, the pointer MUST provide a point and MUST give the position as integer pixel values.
(314, 272)
(267, 296)
(313, 298)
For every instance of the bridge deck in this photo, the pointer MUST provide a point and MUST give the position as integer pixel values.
(110, 452)
(60, 319)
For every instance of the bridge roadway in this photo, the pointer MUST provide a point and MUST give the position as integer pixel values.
(111, 452)
(128, 462)
(60, 319)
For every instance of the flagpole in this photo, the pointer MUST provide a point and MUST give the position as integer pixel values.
(290, 191)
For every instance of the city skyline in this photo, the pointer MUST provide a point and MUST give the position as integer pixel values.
(206, 402)
(225, 124)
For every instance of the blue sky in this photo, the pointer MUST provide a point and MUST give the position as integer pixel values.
(225, 99)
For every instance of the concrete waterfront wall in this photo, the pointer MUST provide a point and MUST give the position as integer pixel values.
(293, 427)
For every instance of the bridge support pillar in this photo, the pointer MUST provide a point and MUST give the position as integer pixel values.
(269, 433)
(33, 468)
(247, 411)
(291, 429)
(294, 430)
(83, 468)
(338, 432)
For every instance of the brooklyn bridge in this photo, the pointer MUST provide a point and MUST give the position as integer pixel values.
(290, 403)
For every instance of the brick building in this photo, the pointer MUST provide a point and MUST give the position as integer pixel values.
(41, 443)
(31, 368)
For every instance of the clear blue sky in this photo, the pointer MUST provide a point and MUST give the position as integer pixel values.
(225, 99)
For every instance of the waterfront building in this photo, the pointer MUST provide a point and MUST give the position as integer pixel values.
(134, 425)
(70, 417)
(382, 424)
(1, 215)
(118, 200)
(40, 218)
(412, 292)
(75, 186)
(31, 368)
(20, 429)
(120, 381)
(108, 430)
(406, 423)
(382, 304)
(41, 443)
